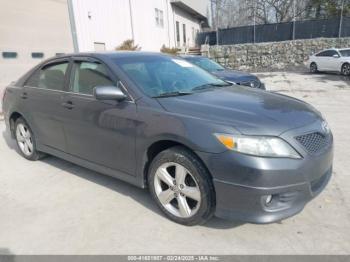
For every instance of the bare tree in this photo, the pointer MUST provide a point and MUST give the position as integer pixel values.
(245, 12)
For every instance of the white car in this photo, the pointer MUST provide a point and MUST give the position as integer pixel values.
(331, 60)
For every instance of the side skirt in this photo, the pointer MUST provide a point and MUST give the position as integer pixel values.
(136, 181)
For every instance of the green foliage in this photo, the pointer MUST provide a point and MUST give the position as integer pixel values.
(168, 50)
(128, 45)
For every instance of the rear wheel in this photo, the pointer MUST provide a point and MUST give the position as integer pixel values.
(181, 186)
(313, 68)
(25, 140)
(345, 69)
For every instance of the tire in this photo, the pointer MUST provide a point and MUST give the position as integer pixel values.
(345, 69)
(177, 192)
(313, 68)
(26, 140)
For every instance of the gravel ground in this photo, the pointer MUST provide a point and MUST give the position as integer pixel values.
(54, 207)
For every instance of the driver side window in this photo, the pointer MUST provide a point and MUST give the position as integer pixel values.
(87, 75)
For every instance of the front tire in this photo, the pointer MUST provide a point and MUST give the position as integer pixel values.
(345, 69)
(26, 141)
(182, 187)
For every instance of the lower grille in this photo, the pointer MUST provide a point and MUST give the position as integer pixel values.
(313, 142)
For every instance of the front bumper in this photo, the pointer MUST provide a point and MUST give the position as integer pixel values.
(243, 183)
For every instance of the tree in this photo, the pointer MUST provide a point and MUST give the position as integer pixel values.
(231, 13)
(319, 9)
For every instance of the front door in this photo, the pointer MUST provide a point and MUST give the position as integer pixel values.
(102, 132)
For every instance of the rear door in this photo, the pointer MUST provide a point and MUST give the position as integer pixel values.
(102, 132)
(42, 99)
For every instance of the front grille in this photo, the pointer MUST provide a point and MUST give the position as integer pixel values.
(313, 142)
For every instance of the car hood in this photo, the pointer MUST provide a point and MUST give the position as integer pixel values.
(234, 75)
(250, 111)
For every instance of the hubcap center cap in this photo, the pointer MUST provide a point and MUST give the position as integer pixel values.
(176, 189)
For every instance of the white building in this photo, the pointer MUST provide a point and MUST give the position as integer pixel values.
(104, 24)
(38, 29)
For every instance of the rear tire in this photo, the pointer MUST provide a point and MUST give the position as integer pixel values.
(182, 187)
(313, 68)
(26, 140)
(345, 69)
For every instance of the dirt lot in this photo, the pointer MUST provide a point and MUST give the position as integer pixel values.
(54, 207)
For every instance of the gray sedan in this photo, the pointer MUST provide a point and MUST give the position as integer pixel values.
(202, 146)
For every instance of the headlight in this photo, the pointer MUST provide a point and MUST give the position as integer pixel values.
(258, 145)
(252, 83)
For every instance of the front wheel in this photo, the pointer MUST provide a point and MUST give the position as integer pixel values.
(345, 70)
(182, 187)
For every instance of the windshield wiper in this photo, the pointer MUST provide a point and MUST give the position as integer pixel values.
(210, 85)
(175, 93)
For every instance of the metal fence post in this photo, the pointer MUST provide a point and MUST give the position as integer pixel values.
(254, 28)
(341, 18)
(294, 18)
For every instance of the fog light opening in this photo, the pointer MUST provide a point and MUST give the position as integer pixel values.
(268, 199)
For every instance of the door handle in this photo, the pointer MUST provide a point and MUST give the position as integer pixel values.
(68, 105)
(24, 95)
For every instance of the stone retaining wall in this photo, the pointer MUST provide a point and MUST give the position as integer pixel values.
(271, 56)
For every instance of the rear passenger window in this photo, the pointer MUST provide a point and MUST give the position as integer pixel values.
(87, 75)
(49, 77)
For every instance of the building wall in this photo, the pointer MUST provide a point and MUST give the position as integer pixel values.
(106, 21)
(147, 34)
(110, 22)
(31, 26)
(191, 25)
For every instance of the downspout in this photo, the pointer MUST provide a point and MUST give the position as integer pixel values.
(174, 26)
(72, 25)
(167, 13)
(131, 22)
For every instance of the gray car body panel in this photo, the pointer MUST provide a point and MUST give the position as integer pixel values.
(113, 137)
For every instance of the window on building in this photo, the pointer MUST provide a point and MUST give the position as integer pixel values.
(9, 54)
(159, 17)
(37, 55)
(184, 32)
(49, 77)
(177, 33)
(87, 75)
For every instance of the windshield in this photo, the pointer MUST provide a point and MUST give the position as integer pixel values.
(160, 75)
(205, 63)
(345, 52)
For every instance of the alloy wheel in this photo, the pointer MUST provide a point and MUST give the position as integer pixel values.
(24, 139)
(177, 190)
(346, 69)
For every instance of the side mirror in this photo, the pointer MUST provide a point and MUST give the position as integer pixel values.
(109, 93)
(336, 56)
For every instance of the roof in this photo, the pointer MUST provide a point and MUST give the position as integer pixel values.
(190, 10)
(114, 54)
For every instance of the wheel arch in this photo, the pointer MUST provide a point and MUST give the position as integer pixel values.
(12, 120)
(344, 63)
(158, 146)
